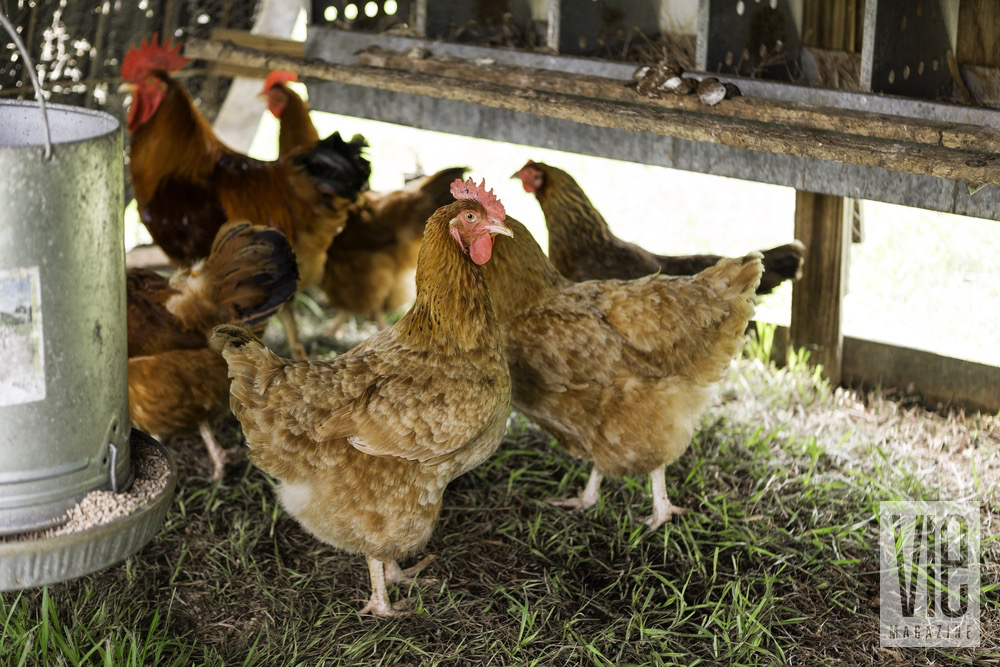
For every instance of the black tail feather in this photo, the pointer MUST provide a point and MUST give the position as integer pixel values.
(338, 167)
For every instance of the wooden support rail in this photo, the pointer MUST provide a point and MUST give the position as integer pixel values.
(527, 92)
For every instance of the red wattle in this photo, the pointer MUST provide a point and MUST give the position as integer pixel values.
(481, 249)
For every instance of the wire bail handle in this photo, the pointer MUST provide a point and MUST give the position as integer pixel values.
(34, 80)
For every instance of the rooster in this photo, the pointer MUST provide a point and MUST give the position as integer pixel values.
(618, 371)
(188, 183)
(369, 270)
(176, 382)
(365, 444)
(582, 246)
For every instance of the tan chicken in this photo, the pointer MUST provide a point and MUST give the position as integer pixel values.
(369, 269)
(365, 444)
(618, 371)
(176, 382)
(582, 246)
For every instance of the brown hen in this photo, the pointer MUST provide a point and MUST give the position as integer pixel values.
(188, 183)
(582, 246)
(369, 270)
(176, 382)
(365, 444)
(618, 371)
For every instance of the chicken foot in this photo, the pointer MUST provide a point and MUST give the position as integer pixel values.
(663, 509)
(588, 496)
(338, 321)
(394, 574)
(295, 346)
(378, 603)
(218, 454)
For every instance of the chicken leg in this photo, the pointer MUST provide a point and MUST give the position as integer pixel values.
(587, 498)
(378, 603)
(217, 453)
(338, 321)
(394, 574)
(295, 346)
(663, 509)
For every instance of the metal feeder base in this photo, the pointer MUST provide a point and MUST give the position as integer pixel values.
(31, 563)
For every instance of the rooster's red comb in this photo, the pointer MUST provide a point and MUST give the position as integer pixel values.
(478, 193)
(278, 76)
(150, 55)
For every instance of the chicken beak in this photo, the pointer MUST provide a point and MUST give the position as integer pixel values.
(127, 88)
(495, 228)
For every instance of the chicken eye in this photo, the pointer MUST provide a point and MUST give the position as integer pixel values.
(471, 217)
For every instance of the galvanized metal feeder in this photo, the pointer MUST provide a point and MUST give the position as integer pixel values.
(64, 427)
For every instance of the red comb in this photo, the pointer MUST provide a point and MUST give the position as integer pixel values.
(278, 76)
(139, 61)
(478, 193)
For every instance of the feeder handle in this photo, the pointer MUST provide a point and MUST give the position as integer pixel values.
(30, 66)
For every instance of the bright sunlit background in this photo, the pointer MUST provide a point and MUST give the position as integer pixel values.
(920, 279)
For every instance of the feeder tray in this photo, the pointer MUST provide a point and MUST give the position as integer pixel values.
(33, 562)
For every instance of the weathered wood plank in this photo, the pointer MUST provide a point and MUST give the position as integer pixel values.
(879, 126)
(937, 379)
(286, 47)
(978, 33)
(823, 224)
(705, 126)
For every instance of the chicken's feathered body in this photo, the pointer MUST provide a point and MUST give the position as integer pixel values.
(366, 443)
(296, 130)
(618, 371)
(582, 246)
(176, 382)
(369, 270)
(188, 183)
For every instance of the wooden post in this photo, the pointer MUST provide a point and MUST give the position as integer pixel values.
(823, 223)
(978, 33)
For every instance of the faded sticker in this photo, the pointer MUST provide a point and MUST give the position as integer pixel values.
(22, 350)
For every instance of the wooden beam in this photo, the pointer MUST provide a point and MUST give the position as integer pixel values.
(276, 45)
(705, 125)
(877, 126)
(823, 224)
(978, 33)
(937, 379)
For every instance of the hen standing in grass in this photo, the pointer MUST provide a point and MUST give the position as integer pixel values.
(618, 371)
(365, 444)
(369, 270)
(582, 246)
(176, 382)
(188, 183)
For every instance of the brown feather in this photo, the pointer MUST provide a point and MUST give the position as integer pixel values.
(365, 444)
(618, 371)
(582, 246)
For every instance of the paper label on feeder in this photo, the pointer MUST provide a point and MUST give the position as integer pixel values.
(22, 349)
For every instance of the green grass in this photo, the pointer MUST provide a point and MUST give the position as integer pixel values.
(776, 564)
